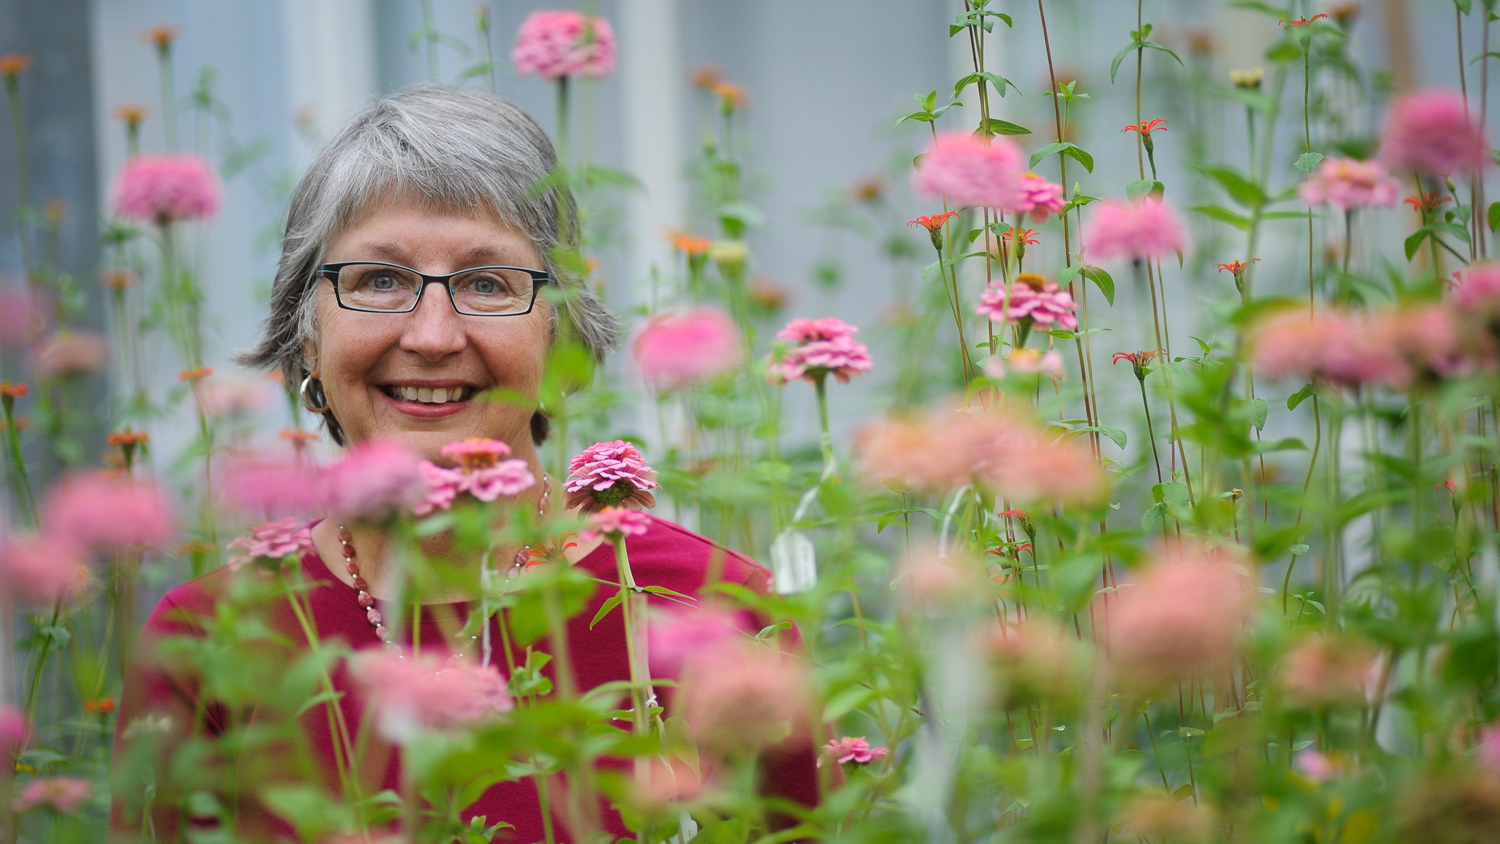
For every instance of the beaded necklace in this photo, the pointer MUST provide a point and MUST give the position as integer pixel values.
(367, 601)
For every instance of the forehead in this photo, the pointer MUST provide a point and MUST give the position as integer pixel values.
(408, 228)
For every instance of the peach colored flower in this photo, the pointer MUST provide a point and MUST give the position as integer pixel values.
(1322, 671)
(560, 42)
(1330, 347)
(100, 510)
(12, 64)
(745, 698)
(1032, 660)
(906, 453)
(1346, 183)
(971, 171)
(163, 189)
(1025, 361)
(1434, 133)
(610, 474)
(24, 316)
(232, 396)
(480, 472)
(938, 582)
(70, 353)
(39, 571)
(687, 349)
(289, 537)
(669, 781)
(64, 795)
(1147, 229)
(1184, 614)
(414, 692)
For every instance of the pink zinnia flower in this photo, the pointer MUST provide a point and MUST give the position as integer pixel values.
(744, 698)
(818, 348)
(163, 188)
(856, 750)
(24, 316)
(678, 636)
(615, 521)
(1321, 672)
(687, 349)
(411, 692)
(1433, 133)
(70, 353)
(64, 795)
(1395, 349)
(290, 537)
(1029, 466)
(1314, 765)
(232, 396)
(375, 481)
(1478, 287)
(935, 581)
(971, 171)
(1025, 361)
(265, 486)
(481, 472)
(557, 43)
(1185, 614)
(1346, 183)
(612, 474)
(1033, 298)
(1039, 198)
(1488, 750)
(14, 728)
(101, 510)
(39, 571)
(1147, 229)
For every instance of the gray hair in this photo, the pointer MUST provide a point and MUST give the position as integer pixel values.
(459, 150)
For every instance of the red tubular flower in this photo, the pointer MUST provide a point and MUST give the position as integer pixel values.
(933, 222)
(1148, 126)
(1138, 361)
(1426, 203)
(1020, 235)
(1300, 21)
(1236, 267)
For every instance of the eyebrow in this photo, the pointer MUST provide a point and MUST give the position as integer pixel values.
(473, 257)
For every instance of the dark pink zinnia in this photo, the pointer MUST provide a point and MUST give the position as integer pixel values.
(165, 188)
(970, 171)
(1039, 198)
(611, 474)
(819, 347)
(376, 481)
(554, 43)
(1433, 133)
(1147, 229)
(1044, 305)
(687, 349)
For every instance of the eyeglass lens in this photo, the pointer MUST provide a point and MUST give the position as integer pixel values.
(481, 291)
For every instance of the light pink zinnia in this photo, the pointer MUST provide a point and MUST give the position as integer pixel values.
(1185, 614)
(15, 728)
(1025, 361)
(1433, 133)
(1321, 672)
(1033, 298)
(163, 188)
(612, 474)
(102, 510)
(1314, 765)
(289, 537)
(971, 171)
(412, 692)
(561, 42)
(937, 582)
(1337, 348)
(1027, 465)
(1478, 287)
(1147, 229)
(819, 347)
(1346, 183)
(480, 472)
(24, 316)
(1488, 750)
(687, 349)
(615, 520)
(744, 699)
(232, 396)
(847, 749)
(39, 571)
(1039, 198)
(70, 353)
(678, 636)
(65, 795)
(375, 481)
(265, 486)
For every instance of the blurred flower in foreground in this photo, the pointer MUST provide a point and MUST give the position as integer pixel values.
(1185, 614)
(1400, 349)
(64, 795)
(1039, 198)
(613, 522)
(1034, 660)
(265, 486)
(1156, 816)
(480, 471)
(1147, 229)
(375, 481)
(676, 636)
(15, 728)
(24, 316)
(687, 349)
(289, 537)
(233, 396)
(1433, 133)
(747, 697)
(413, 692)
(557, 43)
(70, 353)
(610, 474)
(39, 571)
(938, 582)
(668, 781)
(818, 347)
(101, 510)
(163, 189)
(1346, 184)
(971, 171)
(1025, 361)
(1322, 671)
(847, 749)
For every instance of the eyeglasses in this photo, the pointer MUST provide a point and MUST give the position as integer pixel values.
(378, 287)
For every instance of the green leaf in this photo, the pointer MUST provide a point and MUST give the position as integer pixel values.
(1259, 409)
(1277, 12)
(1453, 229)
(1493, 215)
(1223, 215)
(1002, 127)
(1067, 148)
(1115, 435)
(1114, 66)
(1103, 281)
(1300, 396)
(1141, 187)
(614, 601)
(1307, 161)
(1153, 516)
(1066, 275)
(1464, 6)
(999, 82)
(1285, 50)
(1298, 550)
(1152, 45)
(1414, 242)
(1239, 188)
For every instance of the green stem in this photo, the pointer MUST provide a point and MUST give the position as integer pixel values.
(1306, 483)
(634, 609)
(168, 95)
(23, 172)
(20, 479)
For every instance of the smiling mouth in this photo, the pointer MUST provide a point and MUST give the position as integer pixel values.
(424, 395)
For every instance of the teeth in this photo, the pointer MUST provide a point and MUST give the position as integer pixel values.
(439, 395)
(409, 393)
(424, 395)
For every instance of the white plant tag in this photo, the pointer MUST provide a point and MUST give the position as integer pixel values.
(794, 563)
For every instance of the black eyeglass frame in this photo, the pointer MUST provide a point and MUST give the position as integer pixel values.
(331, 272)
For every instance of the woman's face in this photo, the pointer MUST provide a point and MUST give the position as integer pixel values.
(367, 360)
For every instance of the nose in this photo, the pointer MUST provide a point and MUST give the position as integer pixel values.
(434, 330)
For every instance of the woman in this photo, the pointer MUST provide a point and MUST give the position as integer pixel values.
(425, 184)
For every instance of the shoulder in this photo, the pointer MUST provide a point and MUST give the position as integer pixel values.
(668, 551)
(183, 610)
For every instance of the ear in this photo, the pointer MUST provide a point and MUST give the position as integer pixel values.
(310, 358)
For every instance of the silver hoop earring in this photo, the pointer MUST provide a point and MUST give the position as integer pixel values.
(303, 391)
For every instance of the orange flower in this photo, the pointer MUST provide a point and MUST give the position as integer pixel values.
(868, 190)
(1236, 267)
(934, 222)
(162, 36)
(131, 113)
(11, 64)
(1426, 203)
(128, 438)
(1138, 361)
(707, 76)
(691, 246)
(1148, 126)
(102, 706)
(1020, 235)
(1300, 21)
(731, 95)
(12, 391)
(298, 437)
(767, 294)
(117, 280)
(197, 373)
